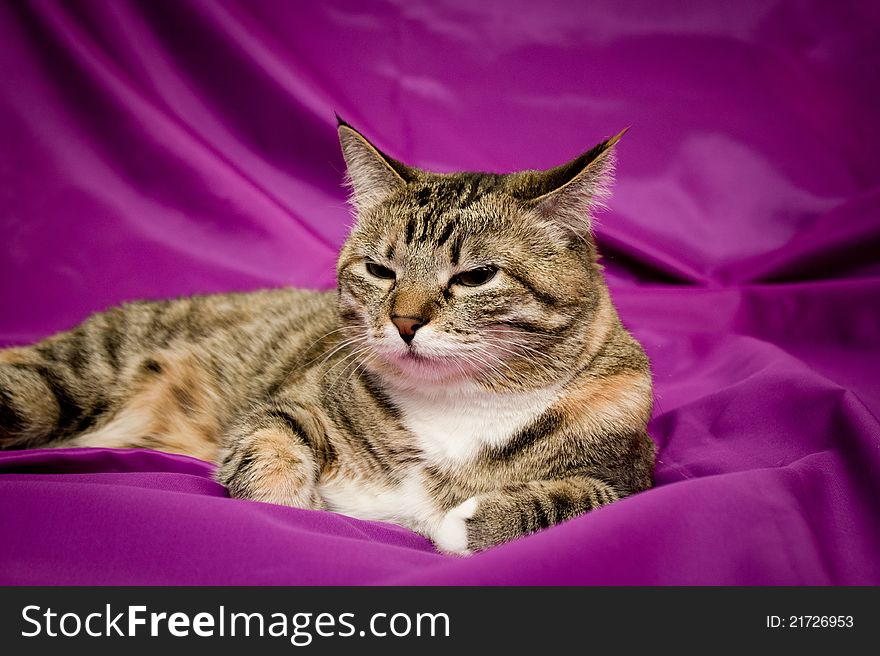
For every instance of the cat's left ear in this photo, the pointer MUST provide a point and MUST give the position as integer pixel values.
(567, 194)
(373, 175)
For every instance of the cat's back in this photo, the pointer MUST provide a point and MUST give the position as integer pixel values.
(204, 312)
(245, 318)
(259, 335)
(241, 342)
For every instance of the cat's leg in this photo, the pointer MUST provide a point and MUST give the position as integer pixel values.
(270, 454)
(43, 397)
(489, 519)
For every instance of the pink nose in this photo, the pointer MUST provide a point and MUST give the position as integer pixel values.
(407, 327)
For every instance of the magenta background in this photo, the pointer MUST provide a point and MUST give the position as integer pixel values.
(156, 149)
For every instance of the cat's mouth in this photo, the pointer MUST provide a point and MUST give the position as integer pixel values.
(431, 357)
(420, 363)
(415, 355)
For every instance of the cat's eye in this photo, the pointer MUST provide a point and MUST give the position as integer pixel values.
(475, 277)
(378, 271)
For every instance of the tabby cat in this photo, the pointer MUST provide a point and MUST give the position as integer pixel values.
(469, 379)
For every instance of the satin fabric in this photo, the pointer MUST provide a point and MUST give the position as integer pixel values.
(158, 149)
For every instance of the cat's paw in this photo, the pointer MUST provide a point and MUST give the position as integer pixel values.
(452, 534)
(267, 476)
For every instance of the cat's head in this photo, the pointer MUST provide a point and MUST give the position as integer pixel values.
(481, 278)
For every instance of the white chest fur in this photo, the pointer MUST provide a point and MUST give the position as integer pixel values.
(451, 427)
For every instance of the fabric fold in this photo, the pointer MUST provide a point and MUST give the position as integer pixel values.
(154, 150)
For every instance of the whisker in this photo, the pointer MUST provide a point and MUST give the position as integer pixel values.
(327, 335)
(353, 362)
(492, 367)
(362, 365)
(300, 366)
(349, 342)
(531, 350)
(351, 355)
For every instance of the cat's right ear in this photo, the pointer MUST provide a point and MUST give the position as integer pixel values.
(372, 174)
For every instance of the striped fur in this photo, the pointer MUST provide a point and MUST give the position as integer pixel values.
(516, 403)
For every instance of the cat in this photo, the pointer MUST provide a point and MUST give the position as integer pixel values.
(469, 378)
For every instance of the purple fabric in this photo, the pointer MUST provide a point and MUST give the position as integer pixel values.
(164, 148)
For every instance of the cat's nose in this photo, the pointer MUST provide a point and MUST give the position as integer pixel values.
(407, 326)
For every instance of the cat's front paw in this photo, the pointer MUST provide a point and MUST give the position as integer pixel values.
(452, 534)
(258, 472)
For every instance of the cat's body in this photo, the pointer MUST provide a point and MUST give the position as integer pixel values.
(470, 379)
